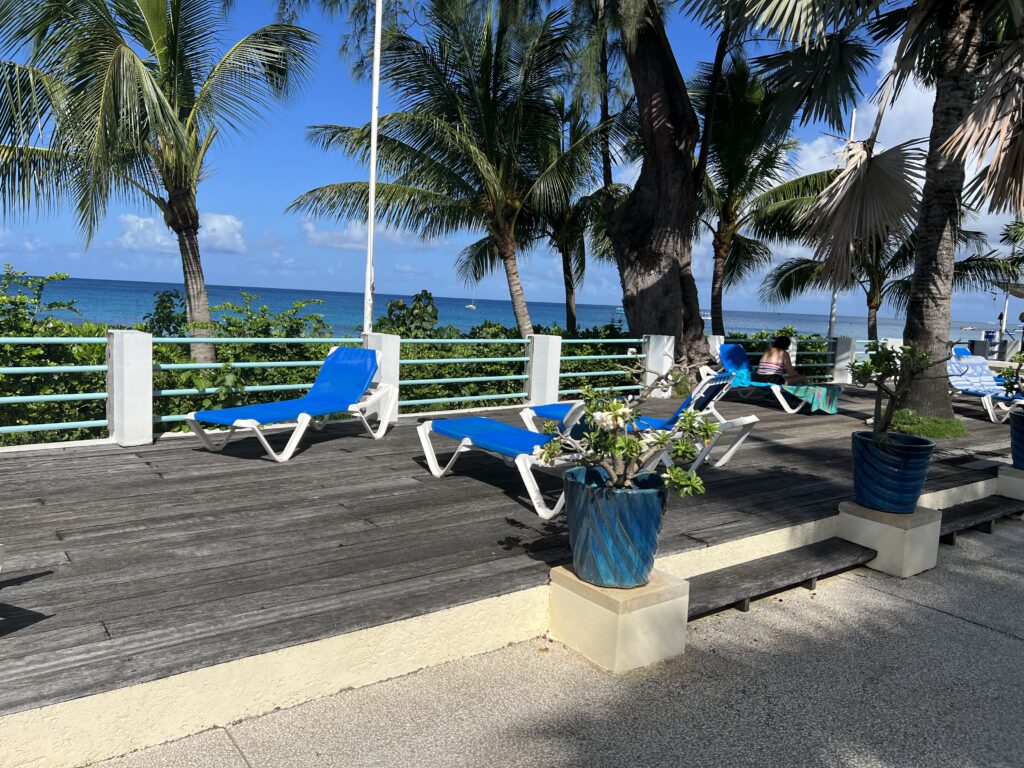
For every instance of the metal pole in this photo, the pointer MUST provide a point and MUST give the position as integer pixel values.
(372, 204)
(835, 291)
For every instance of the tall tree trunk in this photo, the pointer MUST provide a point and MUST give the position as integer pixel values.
(182, 217)
(928, 310)
(570, 292)
(652, 229)
(720, 245)
(507, 251)
(872, 321)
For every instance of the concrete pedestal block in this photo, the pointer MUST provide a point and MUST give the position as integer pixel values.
(620, 629)
(906, 544)
(1010, 482)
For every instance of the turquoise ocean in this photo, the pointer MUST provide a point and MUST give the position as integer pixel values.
(124, 302)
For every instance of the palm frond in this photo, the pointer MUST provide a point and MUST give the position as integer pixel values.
(746, 256)
(430, 214)
(476, 261)
(1013, 233)
(819, 81)
(993, 135)
(790, 279)
(263, 67)
(775, 215)
(874, 197)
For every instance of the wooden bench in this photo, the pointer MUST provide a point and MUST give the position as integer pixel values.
(737, 584)
(980, 515)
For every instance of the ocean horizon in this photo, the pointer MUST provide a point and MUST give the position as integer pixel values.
(125, 302)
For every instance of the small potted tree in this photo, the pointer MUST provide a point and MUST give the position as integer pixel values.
(1014, 385)
(889, 468)
(615, 499)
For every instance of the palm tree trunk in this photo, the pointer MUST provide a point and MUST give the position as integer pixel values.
(720, 249)
(507, 251)
(928, 309)
(872, 322)
(182, 217)
(570, 293)
(651, 230)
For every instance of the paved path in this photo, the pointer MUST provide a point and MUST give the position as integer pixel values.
(866, 671)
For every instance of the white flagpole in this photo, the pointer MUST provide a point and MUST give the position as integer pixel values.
(372, 206)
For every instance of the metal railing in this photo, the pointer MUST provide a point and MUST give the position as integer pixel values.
(170, 418)
(607, 377)
(511, 365)
(47, 370)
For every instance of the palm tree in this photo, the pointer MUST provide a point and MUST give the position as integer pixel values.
(883, 273)
(470, 146)
(971, 52)
(570, 224)
(123, 101)
(747, 154)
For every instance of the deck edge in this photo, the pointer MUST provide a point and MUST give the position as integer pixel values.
(114, 723)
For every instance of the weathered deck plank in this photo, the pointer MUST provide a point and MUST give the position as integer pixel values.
(127, 565)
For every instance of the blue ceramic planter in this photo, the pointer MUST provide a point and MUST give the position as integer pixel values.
(890, 476)
(613, 532)
(1017, 439)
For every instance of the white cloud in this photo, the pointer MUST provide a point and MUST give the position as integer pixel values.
(817, 155)
(217, 232)
(222, 232)
(144, 233)
(409, 269)
(351, 238)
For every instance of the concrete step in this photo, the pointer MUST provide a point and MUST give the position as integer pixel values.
(737, 584)
(980, 515)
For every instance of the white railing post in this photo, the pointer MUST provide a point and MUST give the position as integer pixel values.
(792, 349)
(714, 344)
(659, 356)
(543, 368)
(845, 352)
(390, 347)
(130, 387)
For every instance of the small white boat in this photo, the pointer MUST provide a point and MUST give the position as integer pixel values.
(472, 301)
(471, 306)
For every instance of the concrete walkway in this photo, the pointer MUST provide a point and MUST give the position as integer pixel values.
(866, 671)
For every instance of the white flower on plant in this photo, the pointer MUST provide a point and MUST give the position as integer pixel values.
(613, 421)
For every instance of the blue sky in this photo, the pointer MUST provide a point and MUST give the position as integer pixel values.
(248, 239)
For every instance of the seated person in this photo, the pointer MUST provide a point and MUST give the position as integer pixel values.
(775, 366)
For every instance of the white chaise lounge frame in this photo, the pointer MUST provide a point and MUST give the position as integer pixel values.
(525, 463)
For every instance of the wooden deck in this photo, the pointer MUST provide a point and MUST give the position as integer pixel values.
(128, 565)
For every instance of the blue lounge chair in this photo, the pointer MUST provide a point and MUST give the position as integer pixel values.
(702, 399)
(971, 375)
(514, 445)
(522, 447)
(340, 387)
(734, 360)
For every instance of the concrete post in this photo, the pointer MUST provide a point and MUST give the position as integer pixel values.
(390, 347)
(660, 356)
(894, 343)
(130, 387)
(714, 344)
(543, 368)
(845, 354)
